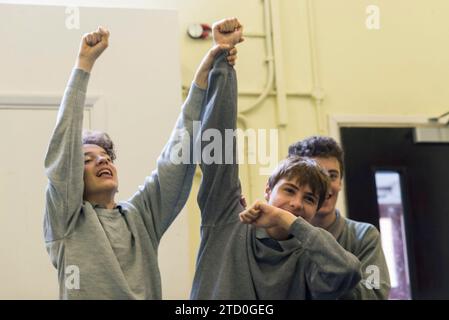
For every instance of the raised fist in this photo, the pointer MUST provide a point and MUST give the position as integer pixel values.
(92, 46)
(228, 31)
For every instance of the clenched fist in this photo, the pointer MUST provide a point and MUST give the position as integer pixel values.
(228, 31)
(276, 221)
(92, 46)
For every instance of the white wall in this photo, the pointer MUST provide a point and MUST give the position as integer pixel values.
(136, 88)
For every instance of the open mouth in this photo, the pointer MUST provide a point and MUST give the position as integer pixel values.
(104, 173)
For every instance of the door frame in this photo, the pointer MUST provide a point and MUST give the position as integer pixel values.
(338, 121)
(95, 105)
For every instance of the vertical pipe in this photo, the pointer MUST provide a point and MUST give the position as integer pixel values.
(317, 92)
(281, 95)
(270, 64)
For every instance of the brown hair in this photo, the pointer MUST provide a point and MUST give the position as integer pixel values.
(305, 171)
(100, 139)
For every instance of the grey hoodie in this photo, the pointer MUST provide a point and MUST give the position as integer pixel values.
(363, 240)
(237, 261)
(101, 253)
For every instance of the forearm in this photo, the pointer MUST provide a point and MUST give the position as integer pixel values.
(201, 76)
(285, 220)
(64, 160)
(202, 73)
(332, 271)
(220, 187)
(64, 151)
(84, 64)
(166, 190)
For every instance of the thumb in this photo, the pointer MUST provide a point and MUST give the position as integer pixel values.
(258, 205)
(264, 206)
(104, 33)
(219, 48)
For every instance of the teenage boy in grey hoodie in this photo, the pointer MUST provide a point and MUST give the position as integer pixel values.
(269, 251)
(104, 249)
(361, 239)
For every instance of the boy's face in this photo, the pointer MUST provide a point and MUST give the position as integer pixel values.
(289, 196)
(332, 166)
(100, 174)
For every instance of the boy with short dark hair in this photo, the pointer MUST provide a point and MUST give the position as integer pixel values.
(270, 250)
(361, 239)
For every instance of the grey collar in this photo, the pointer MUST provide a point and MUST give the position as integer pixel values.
(336, 228)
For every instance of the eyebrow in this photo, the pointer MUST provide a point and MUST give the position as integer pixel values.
(90, 153)
(289, 184)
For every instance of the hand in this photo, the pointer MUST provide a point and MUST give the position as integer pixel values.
(92, 46)
(227, 31)
(243, 201)
(206, 64)
(263, 215)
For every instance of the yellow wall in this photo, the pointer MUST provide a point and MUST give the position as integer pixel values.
(402, 69)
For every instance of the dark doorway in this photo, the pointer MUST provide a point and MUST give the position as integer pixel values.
(424, 175)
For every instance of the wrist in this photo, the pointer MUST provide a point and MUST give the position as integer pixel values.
(84, 64)
(285, 219)
(200, 80)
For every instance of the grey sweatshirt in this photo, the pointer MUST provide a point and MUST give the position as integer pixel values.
(363, 240)
(111, 254)
(238, 261)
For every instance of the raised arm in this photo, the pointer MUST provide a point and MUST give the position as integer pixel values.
(220, 189)
(64, 159)
(165, 192)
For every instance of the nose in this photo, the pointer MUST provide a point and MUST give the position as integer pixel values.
(102, 160)
(296, 203)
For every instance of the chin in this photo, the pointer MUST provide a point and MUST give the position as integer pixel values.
(109, 187)
(325, 210)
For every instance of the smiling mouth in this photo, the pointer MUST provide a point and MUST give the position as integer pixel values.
(105, 173)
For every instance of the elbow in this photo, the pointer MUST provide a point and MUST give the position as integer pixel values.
(338, 281)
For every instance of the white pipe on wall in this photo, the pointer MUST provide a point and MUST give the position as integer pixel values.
(269, 60)
(317, 91)
(281, 97)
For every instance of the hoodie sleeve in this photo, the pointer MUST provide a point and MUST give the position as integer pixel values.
(219, 193)
(331, 271)
(165, 191)
(64, 165)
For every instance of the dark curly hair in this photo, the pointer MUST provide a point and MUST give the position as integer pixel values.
(318, 146)
(305, 171)
(100, 139)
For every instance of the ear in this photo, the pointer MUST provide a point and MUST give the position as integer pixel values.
(267, 194)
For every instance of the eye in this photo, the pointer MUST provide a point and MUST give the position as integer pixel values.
(86, 161)
(334, 176)
(289, 190)
(310, 199)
